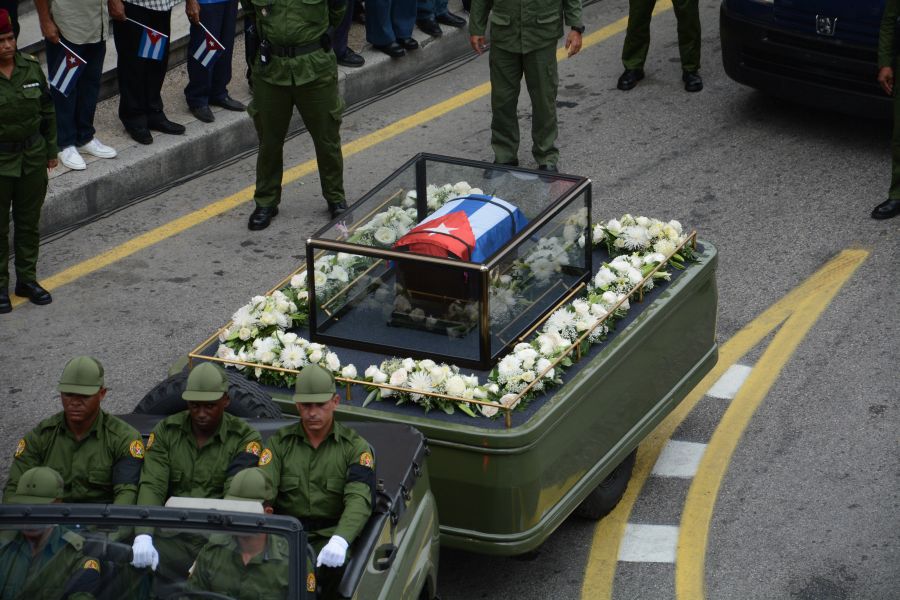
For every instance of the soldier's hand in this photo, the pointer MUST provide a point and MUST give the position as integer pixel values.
(478, 43)
(50, 31)
(573, 42)
(52, 163)
(886, 80)
(192, 10)
(143, 554)
(116, 10)
(334, 552)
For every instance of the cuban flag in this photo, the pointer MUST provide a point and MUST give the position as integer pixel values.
(209, 49)
(153, 43)
(67, 71)
(470, 228)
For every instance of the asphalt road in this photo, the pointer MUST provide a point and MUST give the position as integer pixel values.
(810, 504)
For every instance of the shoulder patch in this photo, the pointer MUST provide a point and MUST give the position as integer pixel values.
(310, 583)
(92, 564)
(150, 440)
(366, 460)
(136, 449)
(20, 448)
(253, 448)
(265, 457)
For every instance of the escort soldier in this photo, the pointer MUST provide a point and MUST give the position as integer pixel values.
(27, 151)
(887, 53)
(45, 562)
(98, 455)
(637, 42)
(193, 453)
(295, 66)
(523, 42)
(324, 473)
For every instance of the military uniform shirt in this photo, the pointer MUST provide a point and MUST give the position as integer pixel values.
(886, 43)
(523, 26)
(46, 575)
(220, 569)
(26, 109)
(332, 482)
(102, 468)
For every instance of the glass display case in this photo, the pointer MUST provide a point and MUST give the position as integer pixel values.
(450, 259)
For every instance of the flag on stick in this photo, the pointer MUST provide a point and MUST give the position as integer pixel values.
(153, 43)
(67, 71)
(209, 49)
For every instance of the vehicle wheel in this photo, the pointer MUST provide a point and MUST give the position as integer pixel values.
(247, 398)
(605, 496)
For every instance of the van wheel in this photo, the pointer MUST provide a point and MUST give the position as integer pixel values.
(606, 496)
(248, 399)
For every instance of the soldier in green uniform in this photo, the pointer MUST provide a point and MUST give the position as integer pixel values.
(324, 473)
(523, 42)
(637, 42)
(193, 453)
(887, 54)
(98, 455)
(47, 561)
(27, 150)
(295, 66)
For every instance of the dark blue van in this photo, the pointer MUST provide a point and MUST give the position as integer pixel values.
(817, 52)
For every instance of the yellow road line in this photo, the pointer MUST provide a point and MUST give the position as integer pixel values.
(403, 125)
(701, 499)
(603, 558)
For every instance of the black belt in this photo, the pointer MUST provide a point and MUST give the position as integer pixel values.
(292, 51)
(32, 140)
(317, 524)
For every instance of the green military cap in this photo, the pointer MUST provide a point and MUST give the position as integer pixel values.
(38, 485)
(315, 385)
(206, 383)
(82, 375)
(251, 485)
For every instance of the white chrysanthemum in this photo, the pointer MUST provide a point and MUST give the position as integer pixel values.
(665, 247)
(420, 381)
(636, 238)
(243, 317)
(455, 386)
(561, 319)
(349, 371)
(509, 366)
(385, 236)
(398, 377)
(332, 361)
(293, 357)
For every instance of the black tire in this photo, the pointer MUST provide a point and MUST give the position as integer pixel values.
(606, 496)
(247, 398)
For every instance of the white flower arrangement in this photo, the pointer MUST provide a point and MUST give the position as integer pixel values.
(421, 378)
(643, 234)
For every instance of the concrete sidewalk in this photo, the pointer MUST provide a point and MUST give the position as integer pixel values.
(105, 185)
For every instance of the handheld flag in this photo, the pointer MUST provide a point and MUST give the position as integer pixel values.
(209, 49)
(67, 71)
(153, 43)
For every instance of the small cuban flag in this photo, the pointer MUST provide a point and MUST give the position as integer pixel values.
(67, 71)
(209, 49)
(153, 43)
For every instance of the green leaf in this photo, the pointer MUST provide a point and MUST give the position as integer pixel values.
(447, 407)
(466, 408)
(373, 395)
(566, 362)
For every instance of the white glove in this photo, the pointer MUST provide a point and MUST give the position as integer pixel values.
(334, 552)
(143, 553)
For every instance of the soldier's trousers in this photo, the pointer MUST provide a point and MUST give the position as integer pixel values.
(894, 192)
(637, 37)
(541, 80)
(25, 194)
(321, 108)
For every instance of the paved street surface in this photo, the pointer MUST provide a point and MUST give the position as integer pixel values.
(807, 507)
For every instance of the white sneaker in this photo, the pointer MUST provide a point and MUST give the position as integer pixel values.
(97, 148)
(70, 158)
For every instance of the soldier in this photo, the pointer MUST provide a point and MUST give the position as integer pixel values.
(887, 52)
(637, 41)
(523, 42)
(27, 151)
(98, 455)
(192, 453)
(324, 473)
(47, 561)
(295, 66)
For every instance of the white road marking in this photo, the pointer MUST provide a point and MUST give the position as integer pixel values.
(679, 459)
(649, 543)
(729, 383)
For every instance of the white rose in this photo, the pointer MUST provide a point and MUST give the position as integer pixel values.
(543, 364)
(508, 399)
(438, 374)
(604, 277)
(609, 298)
(476, 191)
(408, 364)
(385, 236)
(598, 233)
(244, 333)
(479, 393)
(493, 388)
(379, 377)
(614, 227)
(427, 364)
(298, 281)
(417, 315)
(370, 372)
(455, 386)
(528, 376)
(488, 410)
(332, 361)
(289, 338)
(398, 377)
(676, 226)
(349, 372)
(642, 221)
(315, 356)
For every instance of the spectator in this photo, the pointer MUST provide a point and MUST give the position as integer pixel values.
(83, 26)
(431, 12)
(12, 8)
(209, 85)
(887, 56)
(141, 79)
(389, 25)
(345, 55)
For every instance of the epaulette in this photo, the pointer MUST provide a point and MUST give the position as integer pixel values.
(31, 57)
(74, 540)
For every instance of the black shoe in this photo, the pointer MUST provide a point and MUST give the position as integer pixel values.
(203, 114)
(229, 103)
(33, 291)
(351, 59)
(141, 136)
(430, 27)
(451, 20)
(692, 81)
(261, 217)
(5, 304)
(394, 50)
(408, 43)
(494, 173)
(164, 125)
(887, 209)
(629, 79)
(337, 209)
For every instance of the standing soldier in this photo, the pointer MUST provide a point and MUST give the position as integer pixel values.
(98, 455)
(324, 473)
(887, 53)
(523, 42)
(295, 66)
(27, 151)
(637, 42)
(193, 453)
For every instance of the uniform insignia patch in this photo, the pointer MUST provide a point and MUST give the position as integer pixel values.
(366, 460)
(92, 564)
(253, 448)
(150, 440)
(20, 448)
(265, 458)
(310, 583)
(136, 449)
